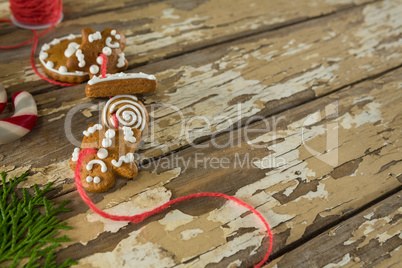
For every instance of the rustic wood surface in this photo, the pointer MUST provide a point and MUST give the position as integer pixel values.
(293, 107)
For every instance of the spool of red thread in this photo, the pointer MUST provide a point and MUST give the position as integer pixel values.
(36, 14)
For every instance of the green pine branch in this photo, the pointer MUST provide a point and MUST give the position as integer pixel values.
(24, 231)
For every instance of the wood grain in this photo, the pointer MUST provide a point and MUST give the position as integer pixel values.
(158, 30)
(370, 239)
(228, 85)
(299, 181)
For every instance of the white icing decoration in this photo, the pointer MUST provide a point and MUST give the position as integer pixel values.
(80, 57)
(43, 55)
(71, 48)
(96, 180)
(55, 41)
(125, 158)
(94, 36)
(109, 43)
(113, 32)
(97, 161)
(47, 46)
(121, 61)
(99, 60)
(71, 36)
(117, 36)
(75, 154)
(128, 134)
(49, 64)
(110, 133)
(92, 129)
(94, 69)
(107, 51)
(106, 142)
(109, 77)
(132, 112)
(89, 179)
(102, 153)
(63, 69)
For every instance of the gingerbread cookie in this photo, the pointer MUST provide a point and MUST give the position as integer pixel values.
(119, 84)
(115, 156)
(125, 111)
(110, 42)
(53, 58)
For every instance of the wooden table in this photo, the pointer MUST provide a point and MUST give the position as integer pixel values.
(291, 106)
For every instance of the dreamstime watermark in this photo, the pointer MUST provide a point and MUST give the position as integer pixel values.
(171, 127)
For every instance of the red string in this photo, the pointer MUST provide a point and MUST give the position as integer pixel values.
(142, 216)
(39, 12)
(36, 17)
(104, 64)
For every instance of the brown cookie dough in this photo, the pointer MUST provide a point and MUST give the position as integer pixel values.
(125, 111)
(120, 83)
(115, 156)
(53, 58)
(110, 42)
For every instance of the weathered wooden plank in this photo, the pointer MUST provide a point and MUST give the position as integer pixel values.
(369, 239)
(302, 169)
(226, 85)
(163, 29)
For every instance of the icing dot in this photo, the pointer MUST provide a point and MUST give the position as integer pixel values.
(71, 37)
(102, 153)
(89, 179)
(106, 143)
(117, 36)
(107, 51)
(121, 62)
(110, 133)
(94, 69)
(96, 180)
(99, 60)
(49, 64)
(113, 32)
(45, 47)
(43, 55)
(63, 69)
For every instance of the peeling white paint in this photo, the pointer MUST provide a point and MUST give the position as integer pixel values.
(130, 253)
(174, 219)
(191, 233)
(369, 216)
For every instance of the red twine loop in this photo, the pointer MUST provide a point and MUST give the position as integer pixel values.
(51, 14)
(142, 216)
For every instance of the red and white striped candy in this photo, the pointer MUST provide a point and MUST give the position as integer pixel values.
(22, 121)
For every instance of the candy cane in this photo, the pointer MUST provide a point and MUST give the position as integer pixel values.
(22, 121)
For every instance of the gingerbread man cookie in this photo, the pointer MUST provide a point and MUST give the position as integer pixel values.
(110, 42)
(115, 156)
(53, 58)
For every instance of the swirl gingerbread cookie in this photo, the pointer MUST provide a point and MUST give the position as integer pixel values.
(53, 58)
(124, 111)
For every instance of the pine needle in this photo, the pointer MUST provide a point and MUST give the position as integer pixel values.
(24, 231)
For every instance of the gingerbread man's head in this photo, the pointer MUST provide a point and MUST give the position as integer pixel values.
(110, 42)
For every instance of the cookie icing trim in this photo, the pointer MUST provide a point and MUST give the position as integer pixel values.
(120, 76)
(46, 47)
(97, 161)
(129, 157)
